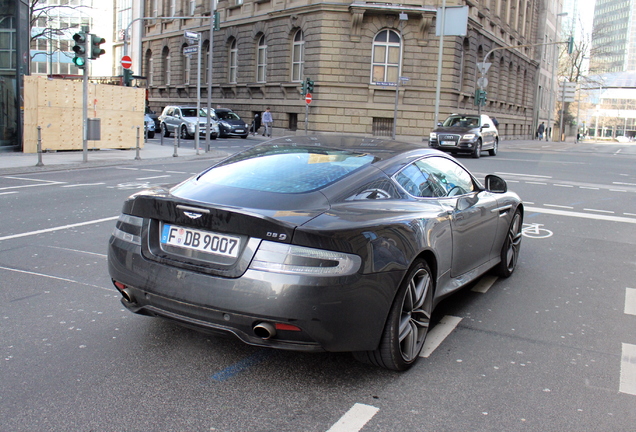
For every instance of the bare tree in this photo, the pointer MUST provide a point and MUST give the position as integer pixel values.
(45, 24)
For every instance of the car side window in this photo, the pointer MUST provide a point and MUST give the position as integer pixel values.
(417, 180)
(451, 177)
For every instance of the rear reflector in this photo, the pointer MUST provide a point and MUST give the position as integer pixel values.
(289, 327)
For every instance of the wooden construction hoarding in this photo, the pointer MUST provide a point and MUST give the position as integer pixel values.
(56, 106)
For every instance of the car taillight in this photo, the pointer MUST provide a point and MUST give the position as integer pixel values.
(290, 259)
(128, 228)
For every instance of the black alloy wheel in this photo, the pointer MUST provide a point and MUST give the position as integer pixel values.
(477, 152)
(511, 246)
(408, 323)
(184, 132)
(164, 130)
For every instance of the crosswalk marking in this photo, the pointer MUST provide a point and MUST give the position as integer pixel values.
(628, 370)
(630, 301)
(354, 419)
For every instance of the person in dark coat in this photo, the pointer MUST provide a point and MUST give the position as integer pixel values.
(256, 124)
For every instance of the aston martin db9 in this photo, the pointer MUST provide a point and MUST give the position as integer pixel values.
(316, 244)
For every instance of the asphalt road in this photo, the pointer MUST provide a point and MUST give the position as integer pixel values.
(552, 348)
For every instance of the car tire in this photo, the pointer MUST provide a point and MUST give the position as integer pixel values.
(215, 136)
(151, 135)
(510, 248)
(164, 130)
(408, 322)
(183, 133)
(477, 151)
(495, 147)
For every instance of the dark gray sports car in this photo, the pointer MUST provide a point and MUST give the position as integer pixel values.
(316, 243)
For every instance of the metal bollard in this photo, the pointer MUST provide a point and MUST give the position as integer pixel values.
(176, 137)
(137, 157)
(39, 147)
(160, 135)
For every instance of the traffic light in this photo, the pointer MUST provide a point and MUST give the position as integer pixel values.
(96, 50)
(128, 77)
(480, 97)
(80, 49)
(303, 88)
(570, 44)
(310, 86)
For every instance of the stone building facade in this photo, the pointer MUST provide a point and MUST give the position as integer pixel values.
(264, 49)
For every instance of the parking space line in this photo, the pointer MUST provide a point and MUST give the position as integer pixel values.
(63, 227)
(628, 370)
(438, 333)
(7, 193)
(354, 419)
(150, 178)
(484, 284)
(83, 184)
(630, 301)
(55, 277)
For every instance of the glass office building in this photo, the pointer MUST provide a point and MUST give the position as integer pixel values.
(14, 64)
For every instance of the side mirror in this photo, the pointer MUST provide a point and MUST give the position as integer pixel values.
(439, 123)
(496, 184)
(485, 126)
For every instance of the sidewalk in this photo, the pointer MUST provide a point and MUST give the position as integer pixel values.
(15, 162)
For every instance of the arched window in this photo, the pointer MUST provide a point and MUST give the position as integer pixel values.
(463, 63)
(148, 66)
(387, 50)
(298, 56)
(165, 65)
(187, 65)
(261, 62)
(233, 62)
(205, 67)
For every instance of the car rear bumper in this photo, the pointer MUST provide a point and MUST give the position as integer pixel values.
(333, 314)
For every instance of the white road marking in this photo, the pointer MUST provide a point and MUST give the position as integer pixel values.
(34, 180)
(7, 193)
(581, 215)
(150, 170)
(484, 284)
(630, 301)
(31, 185)
(558, 206)
(84, 184)
(537, 183)
(625, 184)
(150, 178)
(600, 211)
(617, 190)
(54, 277)
(176, 172)
(628, 370)
(524, 175)
(588, 187)
(355, 418)
(563, 185)
(629, 214)
(438, 333)
(79, 251)
(129, 169)
(30, 233)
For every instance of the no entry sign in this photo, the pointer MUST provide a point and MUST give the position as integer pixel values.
(308, 98)
(126, 62)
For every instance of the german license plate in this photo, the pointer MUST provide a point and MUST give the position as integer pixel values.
(240, 130)
(448, 142)
(204, 241)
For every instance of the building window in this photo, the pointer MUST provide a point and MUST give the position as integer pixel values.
(387, 49)
(165, 65)
(187, 66)
(148, 68)
(298, 56)
(261, 63)
(233, 63)
(192, 6)
(8, 45)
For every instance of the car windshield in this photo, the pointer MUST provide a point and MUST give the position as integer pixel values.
(287, 169)
(227, 115)
(461, 121)
(192, 112)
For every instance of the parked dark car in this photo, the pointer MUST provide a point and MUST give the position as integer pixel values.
(466, 133)
(154, 116)
(316, 244)
(231, 124)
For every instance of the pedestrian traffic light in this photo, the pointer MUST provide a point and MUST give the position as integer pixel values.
(80, 49)
(310, 86)
(480, 97)
(128, 77)
(303, 88)
(570, 44)
(95, 49)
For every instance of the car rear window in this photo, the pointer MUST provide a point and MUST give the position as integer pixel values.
(286, 170)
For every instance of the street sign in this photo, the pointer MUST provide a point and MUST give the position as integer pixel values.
(126, 62)
(190, 50)
(384, 83)
(192, 35)
(308, 98)
(483, 67)
(482, 82)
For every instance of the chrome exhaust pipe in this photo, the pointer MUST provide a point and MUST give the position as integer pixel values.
(127, 295)
(264, 330)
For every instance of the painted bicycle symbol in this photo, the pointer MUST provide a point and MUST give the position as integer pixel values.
(534, 230)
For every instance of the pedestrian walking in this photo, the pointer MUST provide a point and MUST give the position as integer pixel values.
(540, 131)
(256, 124)
(268, 121)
